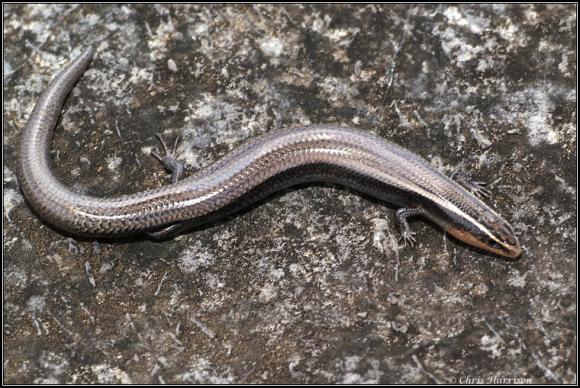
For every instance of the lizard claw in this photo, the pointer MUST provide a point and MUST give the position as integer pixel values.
(408, 237)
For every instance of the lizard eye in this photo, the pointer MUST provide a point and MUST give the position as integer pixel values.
(494, 244)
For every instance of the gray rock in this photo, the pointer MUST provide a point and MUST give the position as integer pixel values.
(312, 286)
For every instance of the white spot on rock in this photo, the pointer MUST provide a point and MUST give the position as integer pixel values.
(36, 303)
(271, 47)
(268, 292)
(171, 65)
(114, 162)
(11, 199)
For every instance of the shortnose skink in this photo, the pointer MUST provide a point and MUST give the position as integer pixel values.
(342, 155)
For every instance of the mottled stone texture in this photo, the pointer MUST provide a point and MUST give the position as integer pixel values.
(311, 286)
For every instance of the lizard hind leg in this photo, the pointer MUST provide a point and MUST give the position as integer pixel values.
(175, 167)
(401, 216)
(170, 161)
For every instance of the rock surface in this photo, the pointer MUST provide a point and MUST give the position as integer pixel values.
(312, 286)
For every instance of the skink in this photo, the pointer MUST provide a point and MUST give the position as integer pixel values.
(342, 155)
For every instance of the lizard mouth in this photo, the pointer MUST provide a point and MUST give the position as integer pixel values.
(510, 251)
